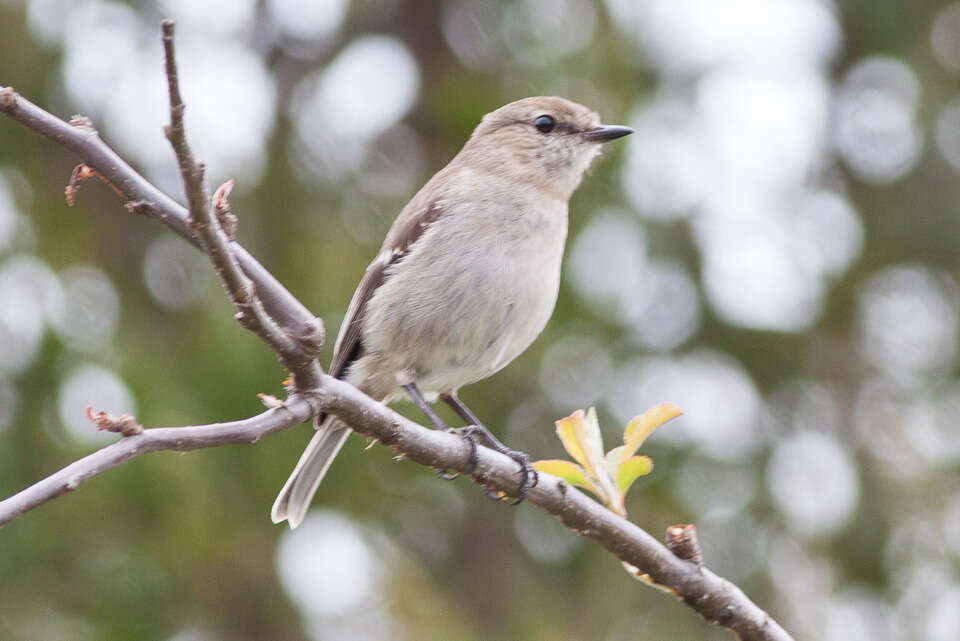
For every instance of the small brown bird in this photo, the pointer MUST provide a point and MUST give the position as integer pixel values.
(467, 276)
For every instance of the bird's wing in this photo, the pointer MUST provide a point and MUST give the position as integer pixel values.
(406, 230)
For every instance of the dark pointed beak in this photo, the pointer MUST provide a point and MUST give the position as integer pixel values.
(607, 133)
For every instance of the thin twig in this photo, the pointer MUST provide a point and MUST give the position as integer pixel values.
(295, 410)
(204, 220)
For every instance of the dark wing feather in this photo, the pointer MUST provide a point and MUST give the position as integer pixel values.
(349, 346)
(406, 231)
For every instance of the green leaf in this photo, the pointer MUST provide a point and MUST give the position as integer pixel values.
(642, 426)
(632, 469)
(568, 471)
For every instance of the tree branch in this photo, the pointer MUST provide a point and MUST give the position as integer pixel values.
(714, 598)
(203, 219)
(143, 197)
(294, 411)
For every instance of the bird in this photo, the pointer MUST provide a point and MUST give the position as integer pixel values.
(466, 279)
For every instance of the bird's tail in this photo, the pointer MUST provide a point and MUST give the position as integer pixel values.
(294, 499)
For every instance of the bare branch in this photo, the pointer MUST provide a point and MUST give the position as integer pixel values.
(182, 439)
(205, 222)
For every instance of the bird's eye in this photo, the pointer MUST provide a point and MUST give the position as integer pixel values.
(544, 124)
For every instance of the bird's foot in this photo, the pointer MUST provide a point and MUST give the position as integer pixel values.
(467, 434)
(529, 474)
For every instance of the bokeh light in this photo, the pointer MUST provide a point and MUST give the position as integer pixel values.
(92, 386)
(607, 259)
(908, 321)
(30, 293)
(88, 316)
(472, 30)
(813, 481)
(541, 32)
(700, 382)
(575, 371)
(331, 570)
(876, 130)
(176, 274)
(363, 92)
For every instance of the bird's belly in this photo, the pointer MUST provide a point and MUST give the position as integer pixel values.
(472, 321)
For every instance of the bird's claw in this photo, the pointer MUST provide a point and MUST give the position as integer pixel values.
(530, 476)
(467, 434)
(471, 433)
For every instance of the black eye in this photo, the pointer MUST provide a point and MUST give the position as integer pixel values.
(544, 124)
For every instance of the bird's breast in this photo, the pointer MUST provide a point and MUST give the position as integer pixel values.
(469, 297)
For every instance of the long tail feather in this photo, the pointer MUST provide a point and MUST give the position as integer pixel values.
(294, 499)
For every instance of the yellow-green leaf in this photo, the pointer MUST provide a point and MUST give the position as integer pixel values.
(570, 430)
(592, 441)
(614, 458)
(642, 426)
(632, 469)
(568, 471)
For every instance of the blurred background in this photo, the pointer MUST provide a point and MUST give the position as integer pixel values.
(774, 250)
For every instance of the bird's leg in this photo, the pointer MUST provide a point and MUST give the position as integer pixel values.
(474, 426)
(421, 402)
(438, 424)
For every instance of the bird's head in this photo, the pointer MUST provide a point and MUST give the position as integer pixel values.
(546, 141)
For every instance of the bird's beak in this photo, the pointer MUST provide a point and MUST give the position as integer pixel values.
(607, 132)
